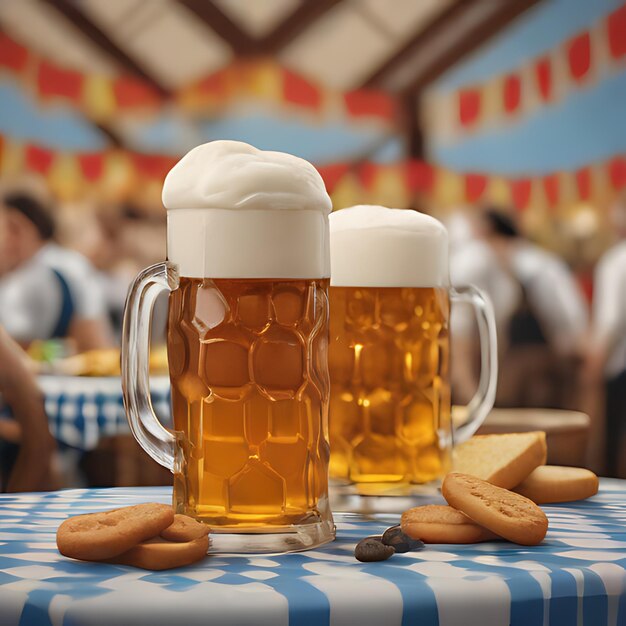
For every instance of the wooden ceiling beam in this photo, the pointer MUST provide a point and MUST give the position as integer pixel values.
(497, 16)
(111, 135)
(238, 39)
(440, 21)
(244, 44)
(300, 20)
(477, 36)
(71, 12)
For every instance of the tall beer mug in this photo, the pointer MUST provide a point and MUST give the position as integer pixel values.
(247, 338)
(390, 418)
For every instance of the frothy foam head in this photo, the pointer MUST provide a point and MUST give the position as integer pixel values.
(373, 246)
(238, 212)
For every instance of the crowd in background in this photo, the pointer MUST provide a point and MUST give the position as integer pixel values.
(561, 344)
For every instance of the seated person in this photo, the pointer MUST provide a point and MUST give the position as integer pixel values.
(46, 291)
(26, 445)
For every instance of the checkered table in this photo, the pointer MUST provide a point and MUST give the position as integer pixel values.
(82, 410)
(576, 576)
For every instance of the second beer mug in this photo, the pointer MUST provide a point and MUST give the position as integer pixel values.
(247, 339)
(390, 417)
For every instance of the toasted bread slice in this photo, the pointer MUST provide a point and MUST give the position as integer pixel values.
(502, 460)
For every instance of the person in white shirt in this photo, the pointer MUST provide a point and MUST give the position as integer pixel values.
(46, 291)
(541, 315)
(607, 352)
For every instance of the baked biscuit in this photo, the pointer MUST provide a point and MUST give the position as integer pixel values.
(184, 528)
(158, 554)
(98, 536)
(551, 483)
(504, 512)
(438, 523)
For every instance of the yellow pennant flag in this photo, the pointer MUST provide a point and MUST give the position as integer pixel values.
(118, 176)
(98, 97)
(348, 192)
(65, 177)
(448, 190)
(389, 188)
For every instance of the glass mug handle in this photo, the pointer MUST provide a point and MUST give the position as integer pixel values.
(482, 402)
(151, 435)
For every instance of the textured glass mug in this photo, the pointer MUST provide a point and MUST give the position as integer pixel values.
(391, 427)
(248, 369)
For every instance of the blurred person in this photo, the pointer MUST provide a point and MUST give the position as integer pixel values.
(46, 291)
(26, 445)
(606, 358)
(540, 313)
(583, 241)
(127, 240)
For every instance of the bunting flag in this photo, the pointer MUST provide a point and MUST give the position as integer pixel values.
(545, 80)
(118, 174)
(264, 80)
(99, 96)
(103, 97)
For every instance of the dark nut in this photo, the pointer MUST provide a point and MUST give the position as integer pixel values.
(372, 549)
(400, 542)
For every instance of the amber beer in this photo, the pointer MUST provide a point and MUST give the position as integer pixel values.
(390, 389)
(248, 395)
(390, 414)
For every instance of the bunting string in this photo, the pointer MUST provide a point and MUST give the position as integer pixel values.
(118, 174)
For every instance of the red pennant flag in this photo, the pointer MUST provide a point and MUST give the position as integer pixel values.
(369, 103)
(511, 93)
(617, 172)
(91, 165)
(332, 174)
(367, 174)
(132, 92)
(39, 159)
(420, 176)
(55, 81)
(469, 106)
(475, 185)
(579, 56)
(215, 84)
(583, 182)
(520, 192)
(543, 75)
(551, 188)
(153, 165)
(616, 27)
(300, 91)
(12, 55)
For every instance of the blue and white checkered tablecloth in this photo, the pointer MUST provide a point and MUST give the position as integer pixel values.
(82, 410)
(577, 576)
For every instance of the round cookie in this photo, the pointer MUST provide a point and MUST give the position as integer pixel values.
(98, 536)
(158, 554)
(184, 528)
(551, 483)
(504, 512)
(438, 523)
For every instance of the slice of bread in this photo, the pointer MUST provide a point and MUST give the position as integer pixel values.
(550, 483)
(502, 460)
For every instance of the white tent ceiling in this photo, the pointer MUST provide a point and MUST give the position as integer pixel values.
(340, 49)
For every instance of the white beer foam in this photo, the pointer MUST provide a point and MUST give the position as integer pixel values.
(375, 246)
(238, 212)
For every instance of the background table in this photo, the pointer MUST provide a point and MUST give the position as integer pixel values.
(577, 576)
(82, 409)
